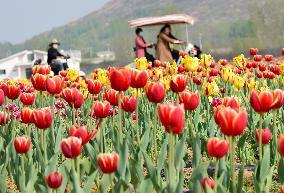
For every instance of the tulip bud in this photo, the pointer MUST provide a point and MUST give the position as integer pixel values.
(54, 85)
(268, 58)
(111, 96)
(13, 91)
(265, 135)
(107, 162)
(217, 147)
(101, 109)
(257, 58)
(4, 118)
(27, 115)
(207, 182)
(261, 101)
(71, 147)
(39, 82)
(54, 180)
(253, 51)
(22, 144)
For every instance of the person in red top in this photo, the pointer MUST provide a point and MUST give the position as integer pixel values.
(141, 45)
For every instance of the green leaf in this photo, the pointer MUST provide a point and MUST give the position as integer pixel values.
(240, 179)
(145, 139)
(105, 182)
(90, 182)
(265, 164)
(280, 170)
(3, 187)
(123, 161)
(179, 152)
(162, 155)
(145, 186)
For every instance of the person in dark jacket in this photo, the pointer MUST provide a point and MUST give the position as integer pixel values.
(54, 56)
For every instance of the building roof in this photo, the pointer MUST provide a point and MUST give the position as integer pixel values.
(15, 55)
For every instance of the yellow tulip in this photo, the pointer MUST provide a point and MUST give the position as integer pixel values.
(227, 74)
(252, 84)
(210, 88)
(239, 82)
(240, 61)
(190, 63)
(73, 75)
(206, 60)
(103, 77)
(141, 63)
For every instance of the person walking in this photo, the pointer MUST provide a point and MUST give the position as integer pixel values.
(141, 46)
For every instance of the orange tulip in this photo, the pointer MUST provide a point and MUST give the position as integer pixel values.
(172, 117)
(108, 162)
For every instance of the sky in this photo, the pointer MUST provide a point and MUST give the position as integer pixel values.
(22, 19)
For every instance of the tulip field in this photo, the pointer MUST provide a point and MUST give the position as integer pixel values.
(198, 126)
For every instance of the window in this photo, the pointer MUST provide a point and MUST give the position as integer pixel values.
(2, 71)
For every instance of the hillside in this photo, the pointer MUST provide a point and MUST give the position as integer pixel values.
(226, 24)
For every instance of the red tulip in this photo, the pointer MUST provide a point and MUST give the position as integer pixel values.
(222, 90)
(253, 51)
(257, 58)
(259, 74)
(63, 73)
(217, 147)
(182, 53)
(178, 83)
(180, 69)
(2, 97)
(138, 78)
(73, 97)
(214, 72)
(42, 118)
(83, 133)
(207, 182)
(27, 98)
(22, 144)
(108, 162)
(120, 79)
(94, 86)
(13, 91)
(232, 102)
(265, 135)
(197, 80)
(282, 51)
(281, 145)
(71, 147)
(282, 188)
(261, 101)
(157, 63)
(39, 82)
(4, 118)
(54, 180)
(268, 58)
(27, 115)
(262, 67)
(101, 109)
(4, 87)
(155, 92)
(223, 62)
(231, 121)
(128, 104)
(41, 69)
(172, 117)
(190, 100)
(278, 99)
(111, 96)
(54, 84)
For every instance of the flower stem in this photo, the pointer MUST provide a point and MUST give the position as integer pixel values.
(137, 118)
(260, 137)
(22, 157)
(52, 126)
(119, 118)
(172, 175)
(155, 134)
(216, 174)
(43, 138)
(232, 155)
(73, 115)
(274, 131)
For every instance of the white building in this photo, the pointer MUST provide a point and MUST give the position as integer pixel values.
(20, 65)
